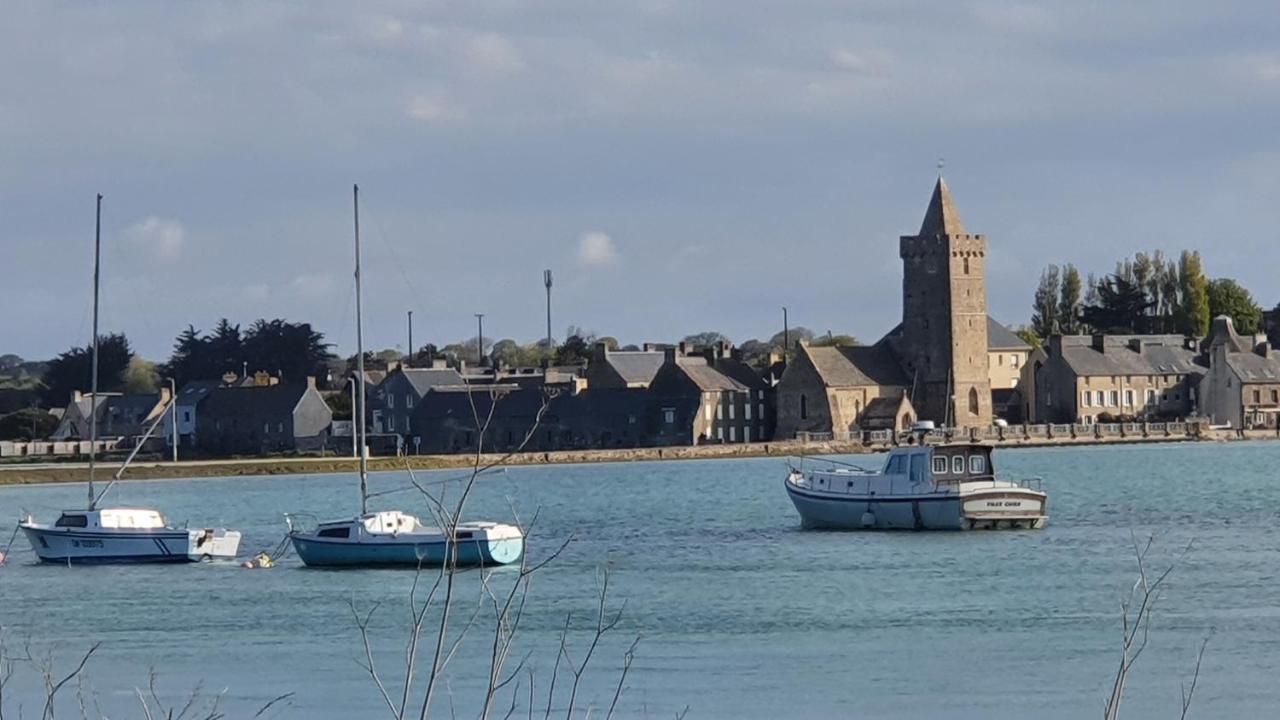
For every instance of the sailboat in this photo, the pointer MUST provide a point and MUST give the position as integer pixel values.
(119, 534)
(392, 537)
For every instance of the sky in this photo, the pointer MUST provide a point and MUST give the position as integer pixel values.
(679, 166)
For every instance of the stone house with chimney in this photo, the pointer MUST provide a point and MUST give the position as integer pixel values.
(1107, 378)
(693, 403)
(830, 390)
(258, 419)
(623, 368)
(393, 401)
(119, 415)
(1241, 386)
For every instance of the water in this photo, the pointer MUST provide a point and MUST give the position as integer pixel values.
(740, 613)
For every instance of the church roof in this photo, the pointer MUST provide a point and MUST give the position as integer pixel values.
(854, 366)
(1000, 337)
(942, 218)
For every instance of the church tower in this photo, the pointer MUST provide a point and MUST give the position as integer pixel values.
(943, 345)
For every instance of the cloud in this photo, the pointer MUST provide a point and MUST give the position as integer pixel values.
(429, 109)
(595, 249)
(494, 54)
(156, 237)
(849, 61)
(256, 293)
(311, 287)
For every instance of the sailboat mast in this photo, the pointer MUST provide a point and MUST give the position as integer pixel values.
(93, 383)
(359, 409)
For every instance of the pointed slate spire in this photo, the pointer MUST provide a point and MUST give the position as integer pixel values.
(941, 218)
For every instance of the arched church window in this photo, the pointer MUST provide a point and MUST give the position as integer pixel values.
(966, 266)
(804, 407)
(973, 401)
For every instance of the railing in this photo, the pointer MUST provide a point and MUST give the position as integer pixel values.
(1010, 433)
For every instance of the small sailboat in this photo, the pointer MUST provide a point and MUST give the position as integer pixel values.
(392, 537)
(120, 534)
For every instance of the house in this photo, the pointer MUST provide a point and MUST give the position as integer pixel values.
(118, 415)
(692, 403)
(830, 389)
(392, 402)
(1105, 378)
(1242, 384)
(258, 419)
(623, 368)
(188, 402)
(727, 359)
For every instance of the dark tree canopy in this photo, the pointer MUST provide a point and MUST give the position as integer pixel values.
(292, 350)
(27, 424)
(575, 351)
(701, 340)
(1122, 307)
(73, 370)
(1228, 297)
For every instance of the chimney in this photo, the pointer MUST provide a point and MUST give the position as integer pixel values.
(1099, 342)
(669, 355)
(439, 363)
(76, 396)
(599, 352)
(1055, 345)
(311, 382)
(682, 348)
(1264, 349)
(650, 347)
(393, 365)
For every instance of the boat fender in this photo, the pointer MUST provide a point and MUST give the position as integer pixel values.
(2, 557)
(259, 561)
(868, 519)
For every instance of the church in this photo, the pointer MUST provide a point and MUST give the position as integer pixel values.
(947, 361)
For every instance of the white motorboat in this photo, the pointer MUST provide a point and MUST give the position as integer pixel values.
(119, 534)
(392, 537)
(920, 487)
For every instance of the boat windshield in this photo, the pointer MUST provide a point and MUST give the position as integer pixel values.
(919, 468)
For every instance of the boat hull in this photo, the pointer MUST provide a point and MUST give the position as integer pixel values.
(996, 509)
(405, 552)
(100, 546)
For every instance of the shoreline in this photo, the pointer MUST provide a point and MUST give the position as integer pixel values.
(19, 473)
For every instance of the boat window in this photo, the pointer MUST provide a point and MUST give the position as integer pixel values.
(940, 466)
(977, 465)
(957, 464)
(897, 465)
(919, 471)
(335, 532)
(72, 521)
(464, 535)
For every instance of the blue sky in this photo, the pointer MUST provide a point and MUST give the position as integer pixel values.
(681, 166)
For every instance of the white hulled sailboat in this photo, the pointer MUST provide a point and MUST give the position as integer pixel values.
(119, 534)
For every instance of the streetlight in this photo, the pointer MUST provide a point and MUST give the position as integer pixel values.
(546, 280)
(786, 333)
(480, 339)
(410, 338)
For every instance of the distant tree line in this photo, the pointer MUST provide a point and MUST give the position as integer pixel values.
(1148, 293)
(290, 351)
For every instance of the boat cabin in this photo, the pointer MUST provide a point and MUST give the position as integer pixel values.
(111, 518)
(389, 521)
(941, 463)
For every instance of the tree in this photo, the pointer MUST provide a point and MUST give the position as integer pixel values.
(140, 377)
(798, 332)
(1028, 336)
(1193, 315)
(574, 351)
(27, 424)
(756, 353)
(425, 355)
(701, 340)
(9, 363)
(609, 341)
(73, 369)
(340, 404)
(1070, 301)
(830, 340)
(1122, 307)
(294, 351)
(1044, 308)
(1227, 297)
(510, 353)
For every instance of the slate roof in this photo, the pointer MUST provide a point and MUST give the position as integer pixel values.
(1000, 337)
(1160, 355)
(881, 408)
(858, 365)
(1251, 367)
(196, 390)
(942, 218)
(424, 380)
(707, 378)
(262, 400)
(635, 367)
(741, 372)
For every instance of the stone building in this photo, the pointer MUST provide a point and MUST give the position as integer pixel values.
(253, 419)
(694, 403)
(1242, 384)
(1101, 378)
(392, 402)
(119, 415)
(622, 368)
(942, 346)
(829, 389)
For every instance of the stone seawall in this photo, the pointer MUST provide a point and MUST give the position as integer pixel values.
(16, 473)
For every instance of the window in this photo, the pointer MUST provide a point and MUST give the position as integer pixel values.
(760, 407)
(338, 532)
(1151, 396)
(1114, 398)
(733, 434)
(973, 401)
(391, 400)
(719, 411)
(746, 411)
(1086, 398)
(280, 427)
(72, 521)
(746, 433)
(631, 419)
(999, 359)
(186, 416)
(720, 433)
(897, 465)
(1257, 396)
(1014, 360)
(977, 465)
(919, 471)
(1275, 397)
(266, 428)
(731, 407)
(939, 466)
(804, 407)
(408, 400)
(966, 266)
(669, 416)
(706, 411)
(760, 394)
(1128, 398)
(957, 464)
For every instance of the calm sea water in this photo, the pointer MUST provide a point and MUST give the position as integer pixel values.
(740, 613)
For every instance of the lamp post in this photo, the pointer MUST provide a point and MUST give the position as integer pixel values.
(546, 280)
(410, 338)
(786, 333)
(480, 339)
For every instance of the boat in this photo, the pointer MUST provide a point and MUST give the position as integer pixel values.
(119, 534)
(393, 537)
(949, 486)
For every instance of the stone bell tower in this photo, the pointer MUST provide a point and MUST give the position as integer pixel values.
(943, 346)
